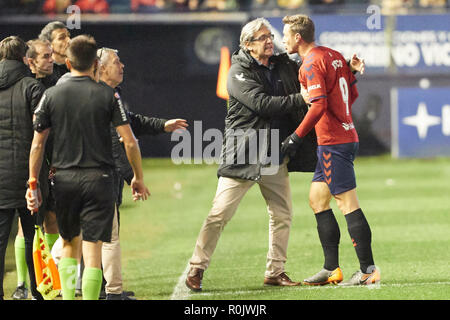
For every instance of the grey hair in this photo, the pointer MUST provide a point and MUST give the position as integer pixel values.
(250, 29)
(103, 54)
(32, 51)
(46, 32)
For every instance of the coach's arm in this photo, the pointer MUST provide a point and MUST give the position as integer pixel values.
(133, 152)
(245, 87)
(141, 124)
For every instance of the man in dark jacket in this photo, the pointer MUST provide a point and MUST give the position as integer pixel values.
(19, 97)
(111, 71)
(40, 61)
(264, 104)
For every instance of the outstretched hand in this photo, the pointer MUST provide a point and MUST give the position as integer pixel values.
(175, 124)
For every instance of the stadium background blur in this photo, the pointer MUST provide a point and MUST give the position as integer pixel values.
(171, 52)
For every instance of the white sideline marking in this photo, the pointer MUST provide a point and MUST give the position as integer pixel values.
(181, 292)
(302, 288)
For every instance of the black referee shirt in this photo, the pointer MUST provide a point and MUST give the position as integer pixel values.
(80, 112)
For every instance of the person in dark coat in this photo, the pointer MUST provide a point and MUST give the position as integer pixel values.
(111, 71)
(19, 97)
(265, 103)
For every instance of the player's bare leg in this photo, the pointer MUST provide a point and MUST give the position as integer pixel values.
(319, 197)
(329, 234)
(361, 236)
(347, 201)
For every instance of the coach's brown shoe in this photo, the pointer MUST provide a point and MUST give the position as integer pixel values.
(194, 279)
(281, 280)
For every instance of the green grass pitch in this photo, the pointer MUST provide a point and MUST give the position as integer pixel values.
(405, 201)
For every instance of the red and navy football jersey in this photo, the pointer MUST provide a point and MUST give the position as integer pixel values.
(332, 90)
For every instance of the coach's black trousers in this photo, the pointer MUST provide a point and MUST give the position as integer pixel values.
(28, 222)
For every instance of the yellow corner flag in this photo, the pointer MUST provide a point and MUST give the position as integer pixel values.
(47, 276)
(223, 73)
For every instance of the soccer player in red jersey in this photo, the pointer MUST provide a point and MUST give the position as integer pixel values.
(331, 89)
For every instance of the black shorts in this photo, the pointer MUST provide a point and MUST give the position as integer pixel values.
(50, 205)
(84, 201)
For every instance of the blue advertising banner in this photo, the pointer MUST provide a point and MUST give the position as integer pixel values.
(399, 44)
(420, 122)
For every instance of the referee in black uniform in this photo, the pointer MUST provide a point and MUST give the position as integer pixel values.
(79, 113)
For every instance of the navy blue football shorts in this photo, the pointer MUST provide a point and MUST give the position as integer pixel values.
(335, 167)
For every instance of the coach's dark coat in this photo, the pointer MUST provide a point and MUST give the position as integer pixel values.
(141, 125)
(19, 96)
(252, 107)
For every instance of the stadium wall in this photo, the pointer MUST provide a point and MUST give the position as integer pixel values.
(171, 64)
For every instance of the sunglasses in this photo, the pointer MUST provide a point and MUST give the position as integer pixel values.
(101, 51)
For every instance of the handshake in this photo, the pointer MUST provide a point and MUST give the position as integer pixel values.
(290, 145)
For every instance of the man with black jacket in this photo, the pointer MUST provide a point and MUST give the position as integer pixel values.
(111, 71)
(19, 97)
(264, 100)
(40, 61)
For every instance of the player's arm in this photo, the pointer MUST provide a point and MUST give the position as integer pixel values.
(318, 108)
(314, 78)
(292, 142)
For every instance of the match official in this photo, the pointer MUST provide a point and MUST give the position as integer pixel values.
(79, 112)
